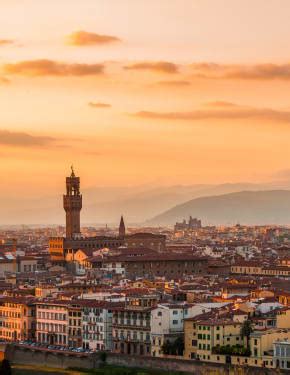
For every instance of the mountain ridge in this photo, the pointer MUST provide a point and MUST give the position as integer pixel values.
(247, 207)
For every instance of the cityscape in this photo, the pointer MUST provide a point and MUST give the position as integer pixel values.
(202, 294)
(145, 187)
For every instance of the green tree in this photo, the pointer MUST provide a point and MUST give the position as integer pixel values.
(173, 348)
(178, 346)
(246, 330)
(103, 356)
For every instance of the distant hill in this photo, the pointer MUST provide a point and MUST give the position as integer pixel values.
(245, 207)
(106, 204)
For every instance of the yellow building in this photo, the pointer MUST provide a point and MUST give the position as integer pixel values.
(203, 340)
(261, 344)
(17, 318)
(255, 269)
(283, 318)
(44, 291)
(202, 337)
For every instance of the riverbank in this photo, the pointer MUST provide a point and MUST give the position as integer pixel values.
(105, 370)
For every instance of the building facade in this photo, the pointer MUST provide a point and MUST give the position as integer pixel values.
(17, 319)
(52, 322)
(132, 326)
(97, 325)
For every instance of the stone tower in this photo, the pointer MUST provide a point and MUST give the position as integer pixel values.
(122, 229)
(72, 204)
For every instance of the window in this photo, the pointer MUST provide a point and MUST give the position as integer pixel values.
(175, 321)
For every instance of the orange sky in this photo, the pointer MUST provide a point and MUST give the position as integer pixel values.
(143, 92)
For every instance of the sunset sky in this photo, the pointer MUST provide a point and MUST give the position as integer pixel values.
(139, 92)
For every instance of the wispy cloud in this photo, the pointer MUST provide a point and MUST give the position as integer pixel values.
(238, 71)
(84, 38)
(21, 139)
(99, 105)
(4, 81)
(4, 42)
(158, 66)
(224, 112)
(34, 68)
(176, 83)
(220, 104)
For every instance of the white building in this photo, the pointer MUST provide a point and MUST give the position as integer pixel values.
(114, 267)
(281, 356)
(266, 307)
(97, 325)
(167, 321)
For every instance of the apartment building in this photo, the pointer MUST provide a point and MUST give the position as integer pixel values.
(97, 325)
(167, 322)
(17, 318)
(281, 356)
(253, 268)
(263, 354)
(75, 325)
(203, 337)
(166, 325)
(131, 325)
(52, 322)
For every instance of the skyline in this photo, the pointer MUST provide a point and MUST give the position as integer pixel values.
(197, 97)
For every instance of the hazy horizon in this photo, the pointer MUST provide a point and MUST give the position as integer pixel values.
(105, 205)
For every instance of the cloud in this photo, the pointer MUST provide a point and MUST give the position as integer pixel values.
(4, 81)
(232, 112)
(174, 83)
(221, 104)
(84, 38)
(99, 105)
(4, 42)
(244, 72)
(34, 68)
(20, 139)
(159, 66)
